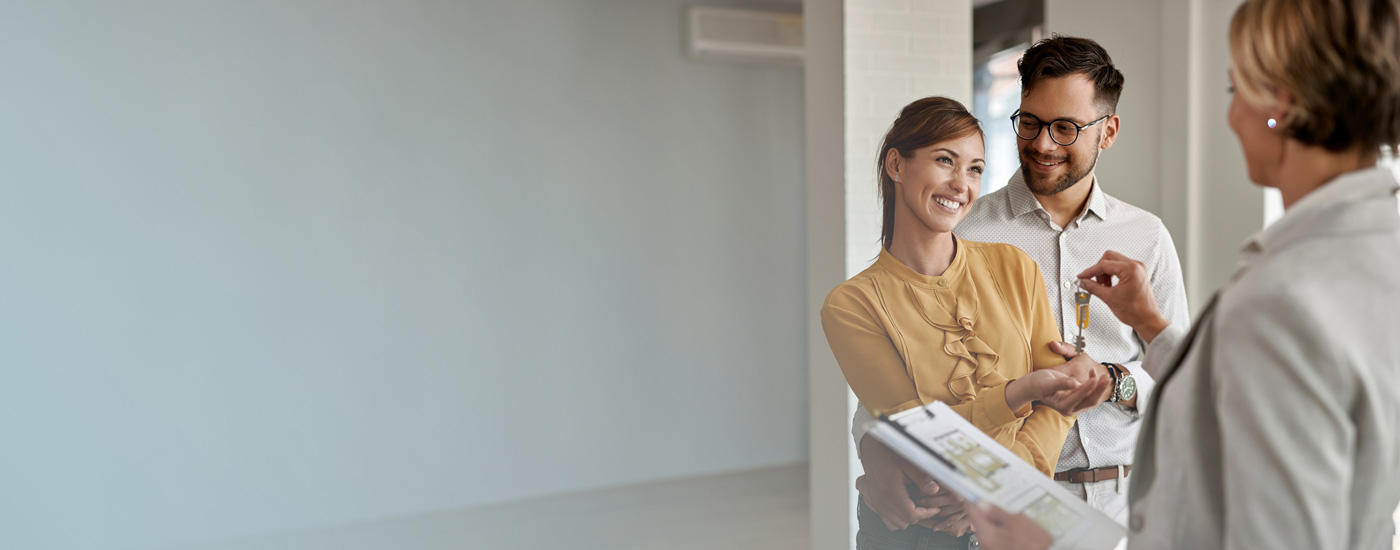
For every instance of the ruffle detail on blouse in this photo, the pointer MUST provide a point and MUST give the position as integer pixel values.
(975, 365)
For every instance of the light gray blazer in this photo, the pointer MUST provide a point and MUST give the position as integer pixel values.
(1277, 421)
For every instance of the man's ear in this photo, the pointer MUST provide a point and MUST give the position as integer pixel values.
(1110, 132)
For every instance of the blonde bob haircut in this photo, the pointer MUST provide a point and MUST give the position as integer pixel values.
(1339, 61)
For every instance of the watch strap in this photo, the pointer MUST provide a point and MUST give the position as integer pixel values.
(1114, 374)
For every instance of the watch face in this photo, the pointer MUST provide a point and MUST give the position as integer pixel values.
(1127, 388)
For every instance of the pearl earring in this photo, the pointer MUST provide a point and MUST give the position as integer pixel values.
(1273, 123)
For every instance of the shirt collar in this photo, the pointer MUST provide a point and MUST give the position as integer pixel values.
(1023, 201)
(1296, 223)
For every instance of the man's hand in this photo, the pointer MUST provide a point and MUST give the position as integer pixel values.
(956, 525)
(998, 530)
(885, 486)
(1129, 297)
(951, 519)
(1085, 368)
(1068, 352)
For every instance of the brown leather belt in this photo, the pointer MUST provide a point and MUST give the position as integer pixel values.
(1085, 475)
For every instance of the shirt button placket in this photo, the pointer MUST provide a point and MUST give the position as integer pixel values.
(1066, 320)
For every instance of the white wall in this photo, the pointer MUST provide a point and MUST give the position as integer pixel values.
(274, 265)
(1230, 208)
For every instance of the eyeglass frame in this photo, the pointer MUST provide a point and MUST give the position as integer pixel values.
(1043, 125)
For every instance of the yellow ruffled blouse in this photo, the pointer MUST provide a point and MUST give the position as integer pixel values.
(905, 339)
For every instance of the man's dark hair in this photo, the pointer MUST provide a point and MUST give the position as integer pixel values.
(1067, 55)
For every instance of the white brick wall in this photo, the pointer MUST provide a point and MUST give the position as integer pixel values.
(896, 51)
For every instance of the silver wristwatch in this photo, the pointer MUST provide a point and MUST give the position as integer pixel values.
(1126, 388)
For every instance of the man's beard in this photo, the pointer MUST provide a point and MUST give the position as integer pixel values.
(1045, 187)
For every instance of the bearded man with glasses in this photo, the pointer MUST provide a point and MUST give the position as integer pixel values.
(1056, 210)
(1064, 132)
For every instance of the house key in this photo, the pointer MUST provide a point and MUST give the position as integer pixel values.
(1081, 315)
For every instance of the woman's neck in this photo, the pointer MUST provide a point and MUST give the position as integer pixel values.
(1306, 168)
(927, 254)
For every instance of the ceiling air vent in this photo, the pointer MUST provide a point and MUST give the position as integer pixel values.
(745, 36)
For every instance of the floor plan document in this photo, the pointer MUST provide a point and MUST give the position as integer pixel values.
(972, 465)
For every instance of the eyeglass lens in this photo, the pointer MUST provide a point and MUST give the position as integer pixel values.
(1062, 131)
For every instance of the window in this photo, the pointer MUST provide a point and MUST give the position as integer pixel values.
(996, 95)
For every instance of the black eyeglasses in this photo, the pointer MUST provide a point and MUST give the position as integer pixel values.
(1062, 130)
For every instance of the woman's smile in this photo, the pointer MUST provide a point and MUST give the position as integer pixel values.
(948, 204)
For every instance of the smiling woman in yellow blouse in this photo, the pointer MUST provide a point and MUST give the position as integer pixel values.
(938, 318)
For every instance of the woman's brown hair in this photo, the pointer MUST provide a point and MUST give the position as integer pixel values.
(920, 124)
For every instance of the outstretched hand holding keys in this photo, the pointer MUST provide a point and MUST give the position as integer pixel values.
(1123, 285)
